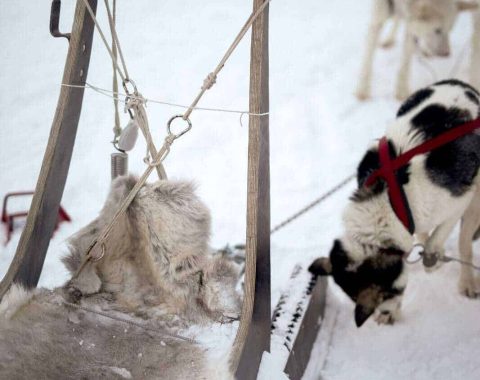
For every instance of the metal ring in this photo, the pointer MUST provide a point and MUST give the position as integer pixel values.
(169, 128)
(127, 108)
(414, 248)
(101, 256)
(127, 81)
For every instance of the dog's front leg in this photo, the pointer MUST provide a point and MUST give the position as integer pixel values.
(402, 91)
(379, 16)
(475, 57)
(470, 225)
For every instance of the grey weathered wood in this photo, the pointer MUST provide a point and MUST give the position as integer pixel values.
(32, 248)
(253, 336)
(308, 331)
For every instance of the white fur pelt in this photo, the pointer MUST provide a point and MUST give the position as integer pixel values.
(157, 271)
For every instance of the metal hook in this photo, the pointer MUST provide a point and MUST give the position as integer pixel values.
(127, 108)
(54, 20)
(127, 81)
(182, 132)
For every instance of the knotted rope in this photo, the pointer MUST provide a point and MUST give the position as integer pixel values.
(136, 102)
(211, 78)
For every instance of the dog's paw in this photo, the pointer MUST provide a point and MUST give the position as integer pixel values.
(385, 317)
(362, 94)
(467, 288)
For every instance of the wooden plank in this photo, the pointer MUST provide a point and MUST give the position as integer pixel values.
(308, 331)
(32, 248)
(253, 336)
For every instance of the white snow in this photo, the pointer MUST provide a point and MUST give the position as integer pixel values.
(318, 133)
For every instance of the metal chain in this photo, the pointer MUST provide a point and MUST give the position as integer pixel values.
(312, 204)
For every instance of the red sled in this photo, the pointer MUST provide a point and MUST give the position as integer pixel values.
(9, 219)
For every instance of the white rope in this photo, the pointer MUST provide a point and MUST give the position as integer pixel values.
(113, 31)
(211, 78)
(107, 46)
(137, 104)
(122, 96)
(117, 129)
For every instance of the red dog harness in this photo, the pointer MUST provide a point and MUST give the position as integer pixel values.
(389, 166)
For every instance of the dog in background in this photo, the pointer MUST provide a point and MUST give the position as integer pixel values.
(427, 28)
(157, 272)
(442, 186)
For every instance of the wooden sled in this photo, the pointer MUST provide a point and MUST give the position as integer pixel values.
(253, 336)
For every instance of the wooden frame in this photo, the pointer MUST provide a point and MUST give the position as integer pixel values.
(42, 217)
(253, 336)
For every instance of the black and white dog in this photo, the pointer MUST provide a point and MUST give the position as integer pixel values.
(441, 186)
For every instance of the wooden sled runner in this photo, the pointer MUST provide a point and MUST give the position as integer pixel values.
(254, 332)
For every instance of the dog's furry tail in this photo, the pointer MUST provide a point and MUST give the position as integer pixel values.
(81, 241)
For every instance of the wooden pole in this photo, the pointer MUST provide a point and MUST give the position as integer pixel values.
(32, 248)
(253, 336)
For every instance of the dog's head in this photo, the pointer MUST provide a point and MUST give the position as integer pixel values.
(430, 23)
(368, 283)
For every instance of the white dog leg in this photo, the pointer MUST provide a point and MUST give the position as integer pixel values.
(379, 16)
(470, 224)
(475, 57)
(402, 90)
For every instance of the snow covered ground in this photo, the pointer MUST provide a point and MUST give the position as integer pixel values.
(318, 133)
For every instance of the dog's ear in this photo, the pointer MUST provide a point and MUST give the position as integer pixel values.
(321, 267)
(467, 5)
(362, 313)
(367, 301)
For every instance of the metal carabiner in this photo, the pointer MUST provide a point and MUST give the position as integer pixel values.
(125, 82)
(183, 131)
(127, 108)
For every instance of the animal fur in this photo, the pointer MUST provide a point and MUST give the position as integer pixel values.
(441, 186)
(427, 27)
(157, 271)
